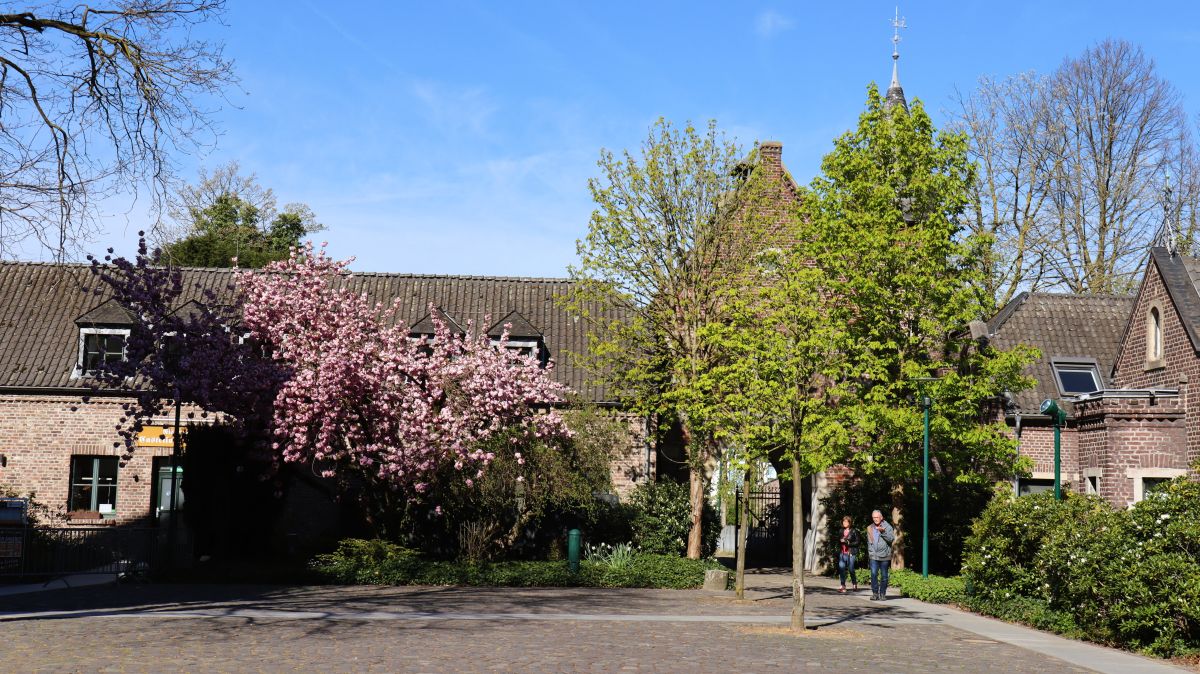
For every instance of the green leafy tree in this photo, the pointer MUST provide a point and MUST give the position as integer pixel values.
(227, 216)
(667, 240)
(776, 395)
(885, 217)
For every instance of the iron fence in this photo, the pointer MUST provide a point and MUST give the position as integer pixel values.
(42, 551)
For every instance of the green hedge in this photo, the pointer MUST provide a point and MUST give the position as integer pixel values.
(376, 562)
(1130, 578)
(1013, 608)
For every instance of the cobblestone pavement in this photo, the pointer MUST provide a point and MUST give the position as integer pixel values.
(245, 628)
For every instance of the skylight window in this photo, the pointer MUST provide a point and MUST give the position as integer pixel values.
(1077, 377)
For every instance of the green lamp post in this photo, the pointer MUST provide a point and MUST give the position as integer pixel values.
(1049, 407)
(927, 404)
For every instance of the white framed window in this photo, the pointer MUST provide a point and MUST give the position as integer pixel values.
(1076, 376)
(1146, 480)
(1154, 337)
(1091, 480)
(98, 346)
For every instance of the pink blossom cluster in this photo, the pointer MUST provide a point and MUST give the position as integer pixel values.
(363, 394)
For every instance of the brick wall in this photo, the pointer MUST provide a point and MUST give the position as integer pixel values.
(633, 462)
(39, 434)
(1180, 367)
(1121, 438)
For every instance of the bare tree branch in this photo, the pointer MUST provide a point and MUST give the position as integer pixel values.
(95, 100)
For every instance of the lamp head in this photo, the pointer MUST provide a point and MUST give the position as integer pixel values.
(1051, 409)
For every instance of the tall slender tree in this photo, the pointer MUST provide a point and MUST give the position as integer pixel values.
(668, 237)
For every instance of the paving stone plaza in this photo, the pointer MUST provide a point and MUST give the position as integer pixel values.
(253, 628)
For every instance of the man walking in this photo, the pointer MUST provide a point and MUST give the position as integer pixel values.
(879, 553)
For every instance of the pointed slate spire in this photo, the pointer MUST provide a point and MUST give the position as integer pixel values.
(895, 93)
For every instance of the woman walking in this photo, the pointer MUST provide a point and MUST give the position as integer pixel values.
(848, 552)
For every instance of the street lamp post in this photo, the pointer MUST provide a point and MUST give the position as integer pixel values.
(927, 403)
(1059, 417)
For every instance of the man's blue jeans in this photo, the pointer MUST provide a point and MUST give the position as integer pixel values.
(879, 576)
(846, 565)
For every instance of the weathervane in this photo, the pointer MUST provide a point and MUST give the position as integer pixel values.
(1168, 234)
(897, 24)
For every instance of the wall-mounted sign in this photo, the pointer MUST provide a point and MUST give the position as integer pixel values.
(160, 436)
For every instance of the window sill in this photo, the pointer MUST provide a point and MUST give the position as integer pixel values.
(89, 518)
(1152, 365)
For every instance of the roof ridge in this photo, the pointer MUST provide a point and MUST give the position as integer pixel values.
(391, 274)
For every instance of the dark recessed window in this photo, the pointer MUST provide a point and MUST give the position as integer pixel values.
(1076, 378)
(1029, 485)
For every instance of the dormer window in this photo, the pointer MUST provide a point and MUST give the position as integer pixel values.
(98, 346)
(103, 332)
(1154, 338)
(523, 337)
(1076, 377)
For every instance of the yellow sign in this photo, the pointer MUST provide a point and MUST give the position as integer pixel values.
(159, 436)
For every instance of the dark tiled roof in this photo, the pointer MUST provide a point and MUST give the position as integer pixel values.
(40, 302)
(1061, 326)
(519, 327)
(1181, 274)
(109, 313)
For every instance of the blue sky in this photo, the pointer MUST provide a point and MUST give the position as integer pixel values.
(458, 137)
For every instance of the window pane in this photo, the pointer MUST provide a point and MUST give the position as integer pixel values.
(83, 469)
(81, 498)
(1152, 484)
(1078, 381)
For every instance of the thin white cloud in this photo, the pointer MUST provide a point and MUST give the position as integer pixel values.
(770, 23)
(455, 110)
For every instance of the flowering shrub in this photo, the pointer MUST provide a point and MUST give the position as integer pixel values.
(1125, 577)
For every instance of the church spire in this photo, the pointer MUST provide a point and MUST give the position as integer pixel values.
(895, 93)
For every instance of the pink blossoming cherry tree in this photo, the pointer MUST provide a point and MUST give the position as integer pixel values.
(367, 401)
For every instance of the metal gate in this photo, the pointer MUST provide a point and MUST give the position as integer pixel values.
(764, 540)
(40, 552)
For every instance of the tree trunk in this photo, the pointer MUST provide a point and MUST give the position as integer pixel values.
(696, 494)
(743, 531)
(797, 550)
(898, 525)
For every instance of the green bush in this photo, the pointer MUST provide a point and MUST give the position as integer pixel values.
(662, 518)
(1000, 556)
(934, 589)
(374, 562)
(1124, 577)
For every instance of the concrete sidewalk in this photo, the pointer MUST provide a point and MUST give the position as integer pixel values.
(63, 583)
(1080, 653)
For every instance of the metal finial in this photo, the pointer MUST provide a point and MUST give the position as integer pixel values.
(897, 24)
(1169, 235)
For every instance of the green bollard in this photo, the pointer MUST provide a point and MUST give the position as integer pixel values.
(573, 538)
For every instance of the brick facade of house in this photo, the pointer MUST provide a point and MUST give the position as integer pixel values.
(39, 434)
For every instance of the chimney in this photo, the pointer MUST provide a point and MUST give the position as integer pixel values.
(771, 152)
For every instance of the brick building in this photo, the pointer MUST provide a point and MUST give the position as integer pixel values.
(58, 439)
(1120, 367)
